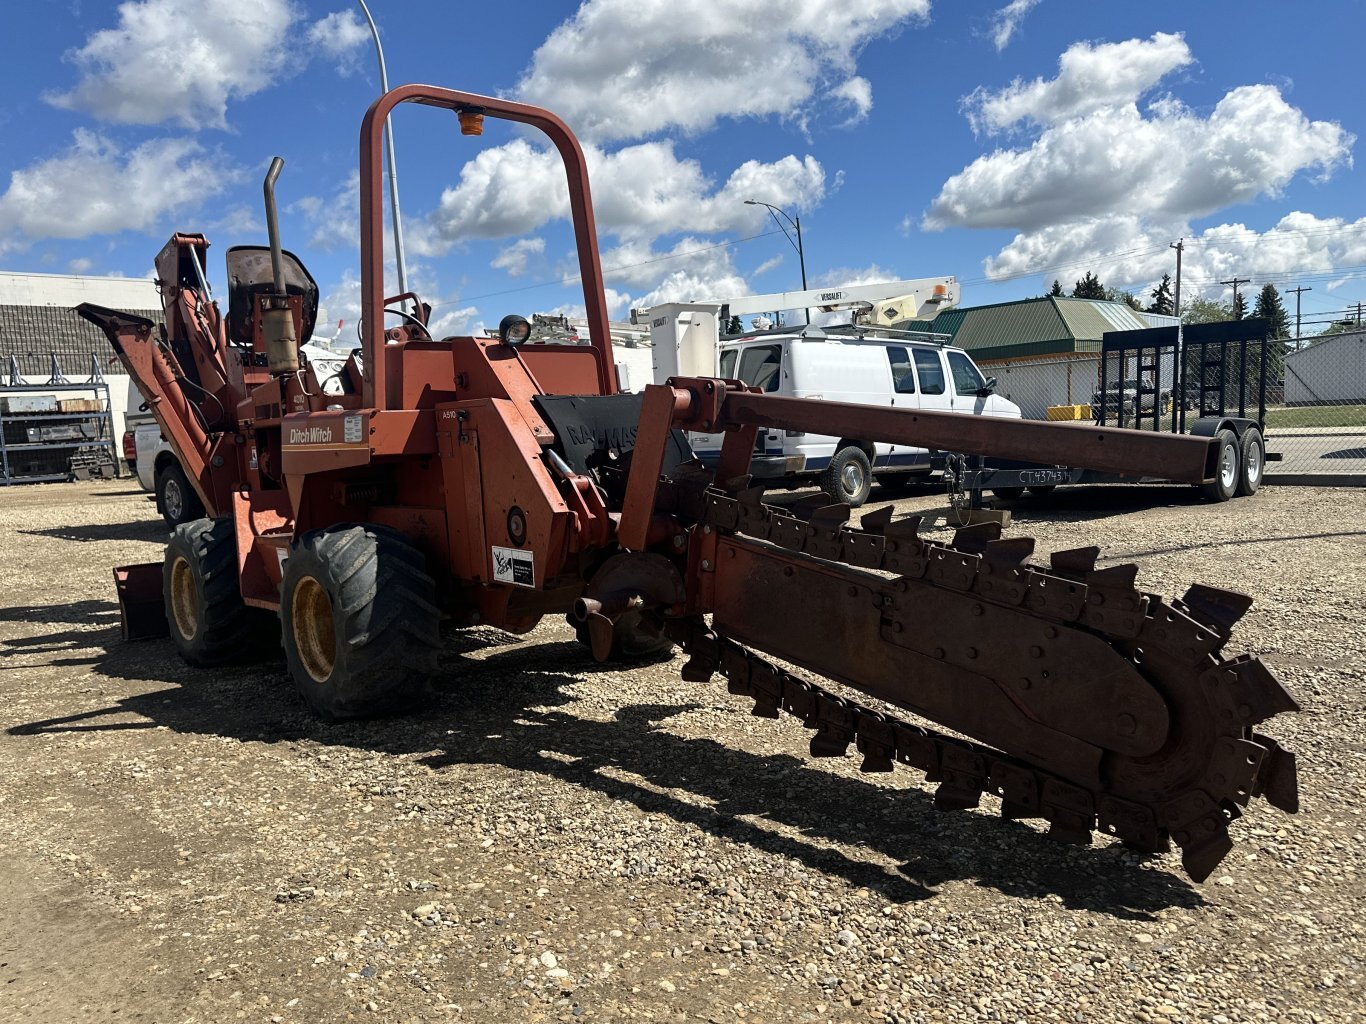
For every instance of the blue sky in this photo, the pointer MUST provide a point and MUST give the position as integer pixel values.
(1008, 143)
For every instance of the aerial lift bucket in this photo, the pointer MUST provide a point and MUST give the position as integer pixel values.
(142, 611)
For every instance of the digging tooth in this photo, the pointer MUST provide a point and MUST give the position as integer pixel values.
(1114, 577)
(830, 517)
(805, 508)
(876, 741)
(876, 521)
(1010, 552)
(973, 540)
(907, 528)
(752, 496)
(951, 796)
(1076, 562)
(1215, 608)
(1203, 857)
(1256, 694)
(1278, 779)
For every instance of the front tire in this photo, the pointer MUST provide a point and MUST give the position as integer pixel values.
(359, 621)
(176, 499)
(849, 477)
(1252, 462)
(210, 625)
(1225, 483)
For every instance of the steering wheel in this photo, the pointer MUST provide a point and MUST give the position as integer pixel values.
(426, 334)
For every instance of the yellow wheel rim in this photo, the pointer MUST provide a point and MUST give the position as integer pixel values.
(184, 598)
(314, 637)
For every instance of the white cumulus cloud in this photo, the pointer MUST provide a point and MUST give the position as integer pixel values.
(1005, 21)
(183, 60)
(513, 259)
(97, 188)
(1101, 176)
(625, 69)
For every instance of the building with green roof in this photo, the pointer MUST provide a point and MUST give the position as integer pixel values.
(1043, 351)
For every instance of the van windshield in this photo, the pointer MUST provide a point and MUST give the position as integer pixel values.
(759, 365)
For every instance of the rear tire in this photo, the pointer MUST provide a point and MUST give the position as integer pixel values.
(849, 477)
(1252, 462)
(176, 499)
(1225, 483)
(209, 623)
(359, 621)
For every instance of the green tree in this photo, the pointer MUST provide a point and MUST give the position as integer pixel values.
(1162, 297)
(1056, 290)
(1239, 306)
(1269, 305)
(1089, 287)
(734, 326)
(1341, 327)
(1126, 297)
(1206, 311)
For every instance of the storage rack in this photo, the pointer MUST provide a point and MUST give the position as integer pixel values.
(17, 429)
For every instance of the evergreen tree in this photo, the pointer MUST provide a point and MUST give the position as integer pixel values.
(1128, 298)
(734, 326)
(1269, 306)
(1239, 306)
(1089, 287)
(1056, 290)
(1162, 297)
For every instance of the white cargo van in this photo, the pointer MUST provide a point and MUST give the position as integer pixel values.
(865, 365)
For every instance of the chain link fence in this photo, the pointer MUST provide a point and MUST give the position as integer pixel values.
(1309, 395)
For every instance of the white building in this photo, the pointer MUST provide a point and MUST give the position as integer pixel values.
(1329, 371)
(37, 323)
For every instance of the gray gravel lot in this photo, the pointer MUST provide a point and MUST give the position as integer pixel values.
(551, 840)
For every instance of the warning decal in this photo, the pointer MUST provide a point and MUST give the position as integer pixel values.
(515, 566)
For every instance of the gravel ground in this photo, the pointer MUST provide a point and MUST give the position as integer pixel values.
(549, 840)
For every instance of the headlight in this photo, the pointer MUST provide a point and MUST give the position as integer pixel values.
(513, 329)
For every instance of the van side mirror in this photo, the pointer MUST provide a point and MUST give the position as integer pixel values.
(988, 387)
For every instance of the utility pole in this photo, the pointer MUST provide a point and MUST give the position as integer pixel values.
(1179, 246)
(1236, 282)
(1296, 292)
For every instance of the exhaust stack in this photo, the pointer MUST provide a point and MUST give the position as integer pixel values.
(277, 323)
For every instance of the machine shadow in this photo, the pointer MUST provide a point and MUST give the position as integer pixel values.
(515, 707)
(153, 530)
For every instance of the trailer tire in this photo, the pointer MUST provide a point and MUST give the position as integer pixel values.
(1225, 483)
(1008, 493)
(1042, 490)
(849, 477)
(210, 625)
(1251, 462)
(359, 621)
(176, 499)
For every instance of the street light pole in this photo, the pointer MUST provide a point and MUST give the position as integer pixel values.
(389, 153)
(773, 212)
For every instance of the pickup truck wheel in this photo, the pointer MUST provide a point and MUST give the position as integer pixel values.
(209, 623)
(1252, 462)
(849, 477)
(176, 499)
(1225, 483)
(359, 621)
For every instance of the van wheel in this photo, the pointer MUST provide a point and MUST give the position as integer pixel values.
(1225, 482)
(1252, 462)
(849, 477)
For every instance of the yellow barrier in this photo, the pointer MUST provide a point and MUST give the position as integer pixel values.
(1069, 412)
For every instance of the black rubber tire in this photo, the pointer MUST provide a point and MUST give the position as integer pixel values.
(374, 641)
(1042, 490)
(209, 623)
(833, 482)
(176, 499)
(1225, 483)
(1008, 493)
(635, 638)
(1252, 448)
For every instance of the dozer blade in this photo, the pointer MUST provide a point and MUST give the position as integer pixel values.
(1090, 705)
